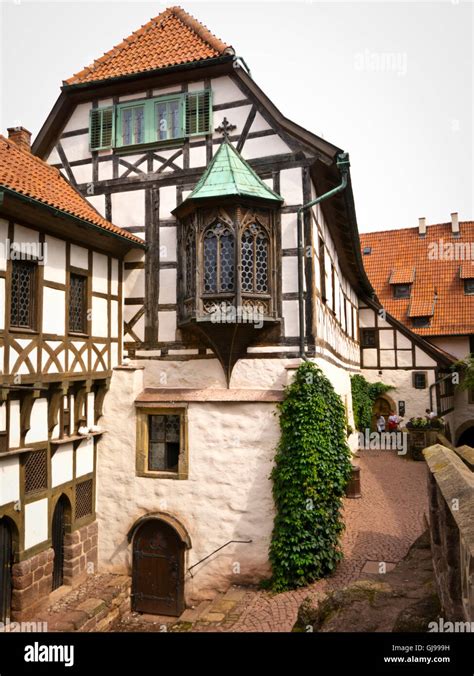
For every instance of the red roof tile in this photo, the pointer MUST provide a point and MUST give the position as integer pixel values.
(27, 175)
(402, 275)
(467, 271)
(172, 38)
(438, 257)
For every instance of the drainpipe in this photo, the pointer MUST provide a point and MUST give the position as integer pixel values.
(343, 165)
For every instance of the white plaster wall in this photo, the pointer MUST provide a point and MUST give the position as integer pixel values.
(291, 186)
(416, 401)
(458, 346)
(168, 244)
(114, 277)
(167, 286)
(55, 264)
(14, 434)
(290, 314)
(76, 147)
(54, 311)
(62, 465)
(3, 240)
(128, 208)
(289, 238)
(90, 409)
(225, 91)
(9, 480)
(85, 457)
(114, 322)
(227, 496)
(38, 422)
(99, 317)
(36, 522)
(99, 273)
(79, 257)
(2, 303)
(167, 325)
(168, 201)
(79, 118)
(134, 283)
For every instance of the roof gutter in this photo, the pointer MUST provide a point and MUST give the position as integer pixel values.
(343, 165)
(59, 212)
(191, 65)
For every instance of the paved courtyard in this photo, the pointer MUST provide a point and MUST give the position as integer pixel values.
(380, 527)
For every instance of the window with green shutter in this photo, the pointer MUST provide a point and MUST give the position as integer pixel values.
(101, 128)
(148, 121)
(198, 113)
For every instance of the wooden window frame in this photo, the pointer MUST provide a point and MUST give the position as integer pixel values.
(364, 332)
(322, 268)
(468, 282)
(420, 373)
(396, 291)
(35, 298)
(142, 447)
(416, 322)
(84, 274)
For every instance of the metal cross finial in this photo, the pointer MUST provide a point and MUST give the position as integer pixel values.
(225, 128)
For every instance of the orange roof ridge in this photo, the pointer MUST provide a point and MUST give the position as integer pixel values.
(30, 176)
(164, 50)
(415, 227)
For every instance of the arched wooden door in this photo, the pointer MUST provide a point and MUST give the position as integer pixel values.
(6, 559)
(59, 530)
(381, 407)
(158, 570)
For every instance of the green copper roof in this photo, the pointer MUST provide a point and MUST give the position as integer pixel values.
(229, 174)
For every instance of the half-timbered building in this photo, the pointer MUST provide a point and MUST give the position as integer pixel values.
(60, 338)
(168, 136)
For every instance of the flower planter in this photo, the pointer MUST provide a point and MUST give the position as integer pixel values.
(419, 439)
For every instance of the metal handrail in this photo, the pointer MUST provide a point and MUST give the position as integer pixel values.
(243, 542)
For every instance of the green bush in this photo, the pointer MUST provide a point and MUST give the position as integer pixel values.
(364, 395)
(312, 468)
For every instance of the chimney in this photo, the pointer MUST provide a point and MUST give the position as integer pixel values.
(20, 136)
(455, 224)
(422, 227)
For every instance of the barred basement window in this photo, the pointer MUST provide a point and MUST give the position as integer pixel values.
(77, 304)
(198, 113)
(101, 128)
(419, 380)
(36, 471)
(254, 254)
(22, 294)
(219, 264)
(84, 504)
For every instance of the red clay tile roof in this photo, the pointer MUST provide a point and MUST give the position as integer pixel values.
(402, 275)
(421, 307)
(437, 260)
(27, 175)
(467, 271)
(172, 38)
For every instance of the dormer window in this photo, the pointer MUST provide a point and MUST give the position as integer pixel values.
(469, 287)
(466, 273)
(421, 322)
(401, 280)
(401, 291)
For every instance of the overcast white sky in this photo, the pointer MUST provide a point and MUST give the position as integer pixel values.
(390, 82)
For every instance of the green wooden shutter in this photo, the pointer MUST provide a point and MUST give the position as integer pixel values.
(198, 113)
(101, 128)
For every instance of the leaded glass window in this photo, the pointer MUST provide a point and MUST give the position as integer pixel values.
(219, 260)
(254, 254)
(168, 120)
(164, 433)
(77, 304)
(190, 270)
(22, 294)
(133, 125)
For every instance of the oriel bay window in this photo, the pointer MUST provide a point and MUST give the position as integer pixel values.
(228, 288)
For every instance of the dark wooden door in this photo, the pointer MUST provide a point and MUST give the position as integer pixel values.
(59, 518)
(6, 558)
(381, 407)
(158, 570)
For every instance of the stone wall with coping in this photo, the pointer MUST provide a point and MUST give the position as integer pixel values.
(451, 499)
(80, 553)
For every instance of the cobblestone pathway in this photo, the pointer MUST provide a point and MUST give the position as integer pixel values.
(380, 527)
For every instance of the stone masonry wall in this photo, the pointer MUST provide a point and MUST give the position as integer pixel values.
(80, 553)
(31, 580)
